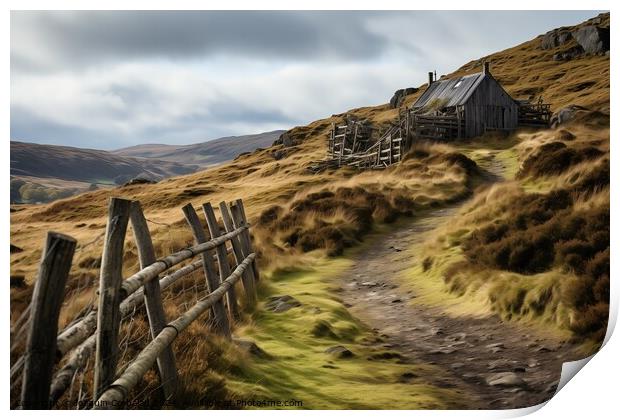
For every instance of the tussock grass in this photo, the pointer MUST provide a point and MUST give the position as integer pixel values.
(534, 249)
(336, 217)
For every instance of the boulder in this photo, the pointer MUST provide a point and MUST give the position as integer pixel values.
(565, 115)
(399, 96)
(497, 364)
(508, 379)
(340, 352)
(139, 180)
(281, 303)
(251, 347)
(495, 345)
(285, 140)
(555, 38)
(593, 39)
(323, 329)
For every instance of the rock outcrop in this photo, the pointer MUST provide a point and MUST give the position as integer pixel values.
(565, 114)
(590, 39)
(556, 38)
(140, 180)
(593, 39)
(399, 96)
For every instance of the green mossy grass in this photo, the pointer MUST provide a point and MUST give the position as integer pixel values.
(298, 367)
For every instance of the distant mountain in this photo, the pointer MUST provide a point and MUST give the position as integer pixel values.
(204, 154)
(87, 165)
(42, 173)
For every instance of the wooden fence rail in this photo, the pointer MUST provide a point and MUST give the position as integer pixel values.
(95, 334)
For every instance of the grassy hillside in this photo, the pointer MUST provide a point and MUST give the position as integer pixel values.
(204, 154)
(554, 197)
(527, 71)
(278, 175)
(535, 247)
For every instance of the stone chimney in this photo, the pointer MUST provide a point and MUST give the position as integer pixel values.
(430, 78)
(485, 67)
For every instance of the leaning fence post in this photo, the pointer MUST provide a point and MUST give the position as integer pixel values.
(47, 299)
(108, 314)
(221, 324)
(222, 260)
(248, 275)
(238, 214)
(152, 300)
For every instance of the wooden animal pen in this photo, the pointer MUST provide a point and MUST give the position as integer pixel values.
(534, 114)
(52, 360)
(352, 143)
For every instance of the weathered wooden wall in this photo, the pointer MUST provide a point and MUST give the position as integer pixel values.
(490, 108)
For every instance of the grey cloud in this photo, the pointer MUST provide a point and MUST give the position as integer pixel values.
(201, 125)
(87, 37)
(113, 79)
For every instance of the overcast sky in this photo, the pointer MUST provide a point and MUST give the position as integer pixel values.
(114, 79)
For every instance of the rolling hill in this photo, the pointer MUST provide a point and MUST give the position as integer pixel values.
(86, 165)
(43, 173)
(204, 154)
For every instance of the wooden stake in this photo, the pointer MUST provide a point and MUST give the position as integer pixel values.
(242, 221)
(108, 315)
(222, 260)
(220, 321)
(152, 300)
(248, 275)
(47, 299)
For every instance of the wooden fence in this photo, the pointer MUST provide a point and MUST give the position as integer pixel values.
(439, 127)
(96, 331)
(534, 114)
(351, 144)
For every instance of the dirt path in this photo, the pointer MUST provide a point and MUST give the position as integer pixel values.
(494, 364)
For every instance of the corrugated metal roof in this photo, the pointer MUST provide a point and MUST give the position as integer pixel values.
(451, 91)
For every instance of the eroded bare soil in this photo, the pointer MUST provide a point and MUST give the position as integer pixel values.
(494, 364)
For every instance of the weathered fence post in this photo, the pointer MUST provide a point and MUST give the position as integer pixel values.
(248, 275)
(152, 300)
(47, 299)
(108, 315)
(220, 320)
(222, 260)
(238, 214)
